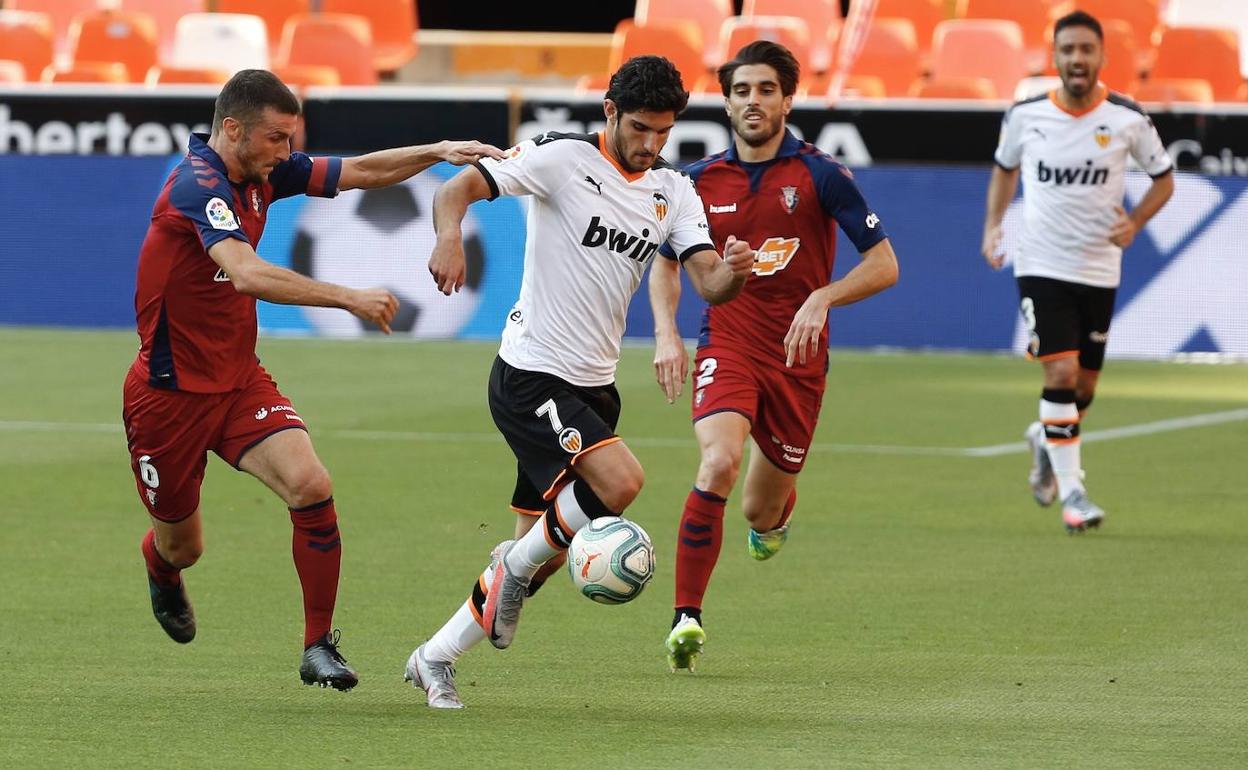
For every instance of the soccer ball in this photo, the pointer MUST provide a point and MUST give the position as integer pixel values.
(611, 560)
(383, 237)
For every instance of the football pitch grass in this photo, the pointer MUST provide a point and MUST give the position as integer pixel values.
(925, 612)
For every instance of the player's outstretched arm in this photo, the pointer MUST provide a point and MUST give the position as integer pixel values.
(718, 280)
(450, 204)
(254, 277)
(876, 272)
(671, 360)
(387, 167)
(1000, 192)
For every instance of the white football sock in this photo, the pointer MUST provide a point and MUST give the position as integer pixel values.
(533, 549)
(460, 634)
(1063, 451)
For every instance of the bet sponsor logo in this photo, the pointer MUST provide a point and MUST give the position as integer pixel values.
(775, 254)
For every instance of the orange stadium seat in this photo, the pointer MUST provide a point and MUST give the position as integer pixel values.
(1211, 53)
(923, 14)
(166, 14)
(62, 13)
(988, 48)
(956, 88)
(87, 72)
(394, 28)
(709, 15)
(1170, 90)
(1144, 16)
(822, 17)
(163, 76)
(1034, 17)
(860, 87)
(12, 71)
(890, 53)
(128, 37)
(339, 40)
(27, 38)
(789, 31)
(680, 40)
(274, 12)
(302, 76)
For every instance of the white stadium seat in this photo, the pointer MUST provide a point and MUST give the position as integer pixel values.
(231, 41)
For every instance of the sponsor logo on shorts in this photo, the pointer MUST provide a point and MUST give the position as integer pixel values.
(697, 397)
(570, 440)
(790, 458)
(261, 413)
(220, 216)
(797, 450)
(1099, 338)
(151, 497)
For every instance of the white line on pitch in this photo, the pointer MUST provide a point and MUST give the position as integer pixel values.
(995, 450)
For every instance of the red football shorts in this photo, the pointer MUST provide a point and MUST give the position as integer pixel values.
(170, 433)
(783, 410)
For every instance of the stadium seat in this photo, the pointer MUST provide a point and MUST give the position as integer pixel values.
(394, 28)
(709, 15)
(12, 71)
(1212, 13)
(956, 88)
(890, 53)
(988, 48)
(789, 31)
(274, 12)
(680, 40)
(1211, 53)
(1034, 17)
(339, 40)
(233, 41)
(87, 72)
(822, 17)
(163, 76)
(128, 37)
(923, 14)
(166, 14)
(1035, 85)
(302, 76)
(1170, 90)
(61, 12)
(1144, 17)
(858, 87)
(27, 38)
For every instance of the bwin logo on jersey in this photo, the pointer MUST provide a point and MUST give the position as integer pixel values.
(632, 247)
(1087, 174)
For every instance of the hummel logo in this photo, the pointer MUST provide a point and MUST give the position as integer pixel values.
(597, 185)
(221, 276)
(725, 209)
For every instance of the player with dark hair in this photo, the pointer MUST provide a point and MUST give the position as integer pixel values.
(1071, 146)
(196, 384)
(602, 205)
(762, 359)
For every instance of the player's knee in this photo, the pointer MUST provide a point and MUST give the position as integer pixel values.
(624, 487)
(760, 513)
(310, 487)
(181, 552)
(718, 469)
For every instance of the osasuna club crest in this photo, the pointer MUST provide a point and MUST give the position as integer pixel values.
(788, 198)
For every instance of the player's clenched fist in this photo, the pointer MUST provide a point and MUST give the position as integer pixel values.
(739, 256)
(377, 306)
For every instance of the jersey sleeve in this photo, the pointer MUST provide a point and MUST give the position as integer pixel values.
(303, 175)
(840, 198)
(689, 232)
(209, 205)
(1146, 148)
(529, 168)
(1009, 154)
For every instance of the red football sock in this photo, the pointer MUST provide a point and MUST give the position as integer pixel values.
(161, 571)
(788, 508)
(697, 546)
(317, 550)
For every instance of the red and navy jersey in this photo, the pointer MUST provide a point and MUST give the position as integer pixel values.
(787, 208)
(196, 332)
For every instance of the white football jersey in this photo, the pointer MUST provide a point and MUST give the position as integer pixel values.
(1074, 172)
(592, 230)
